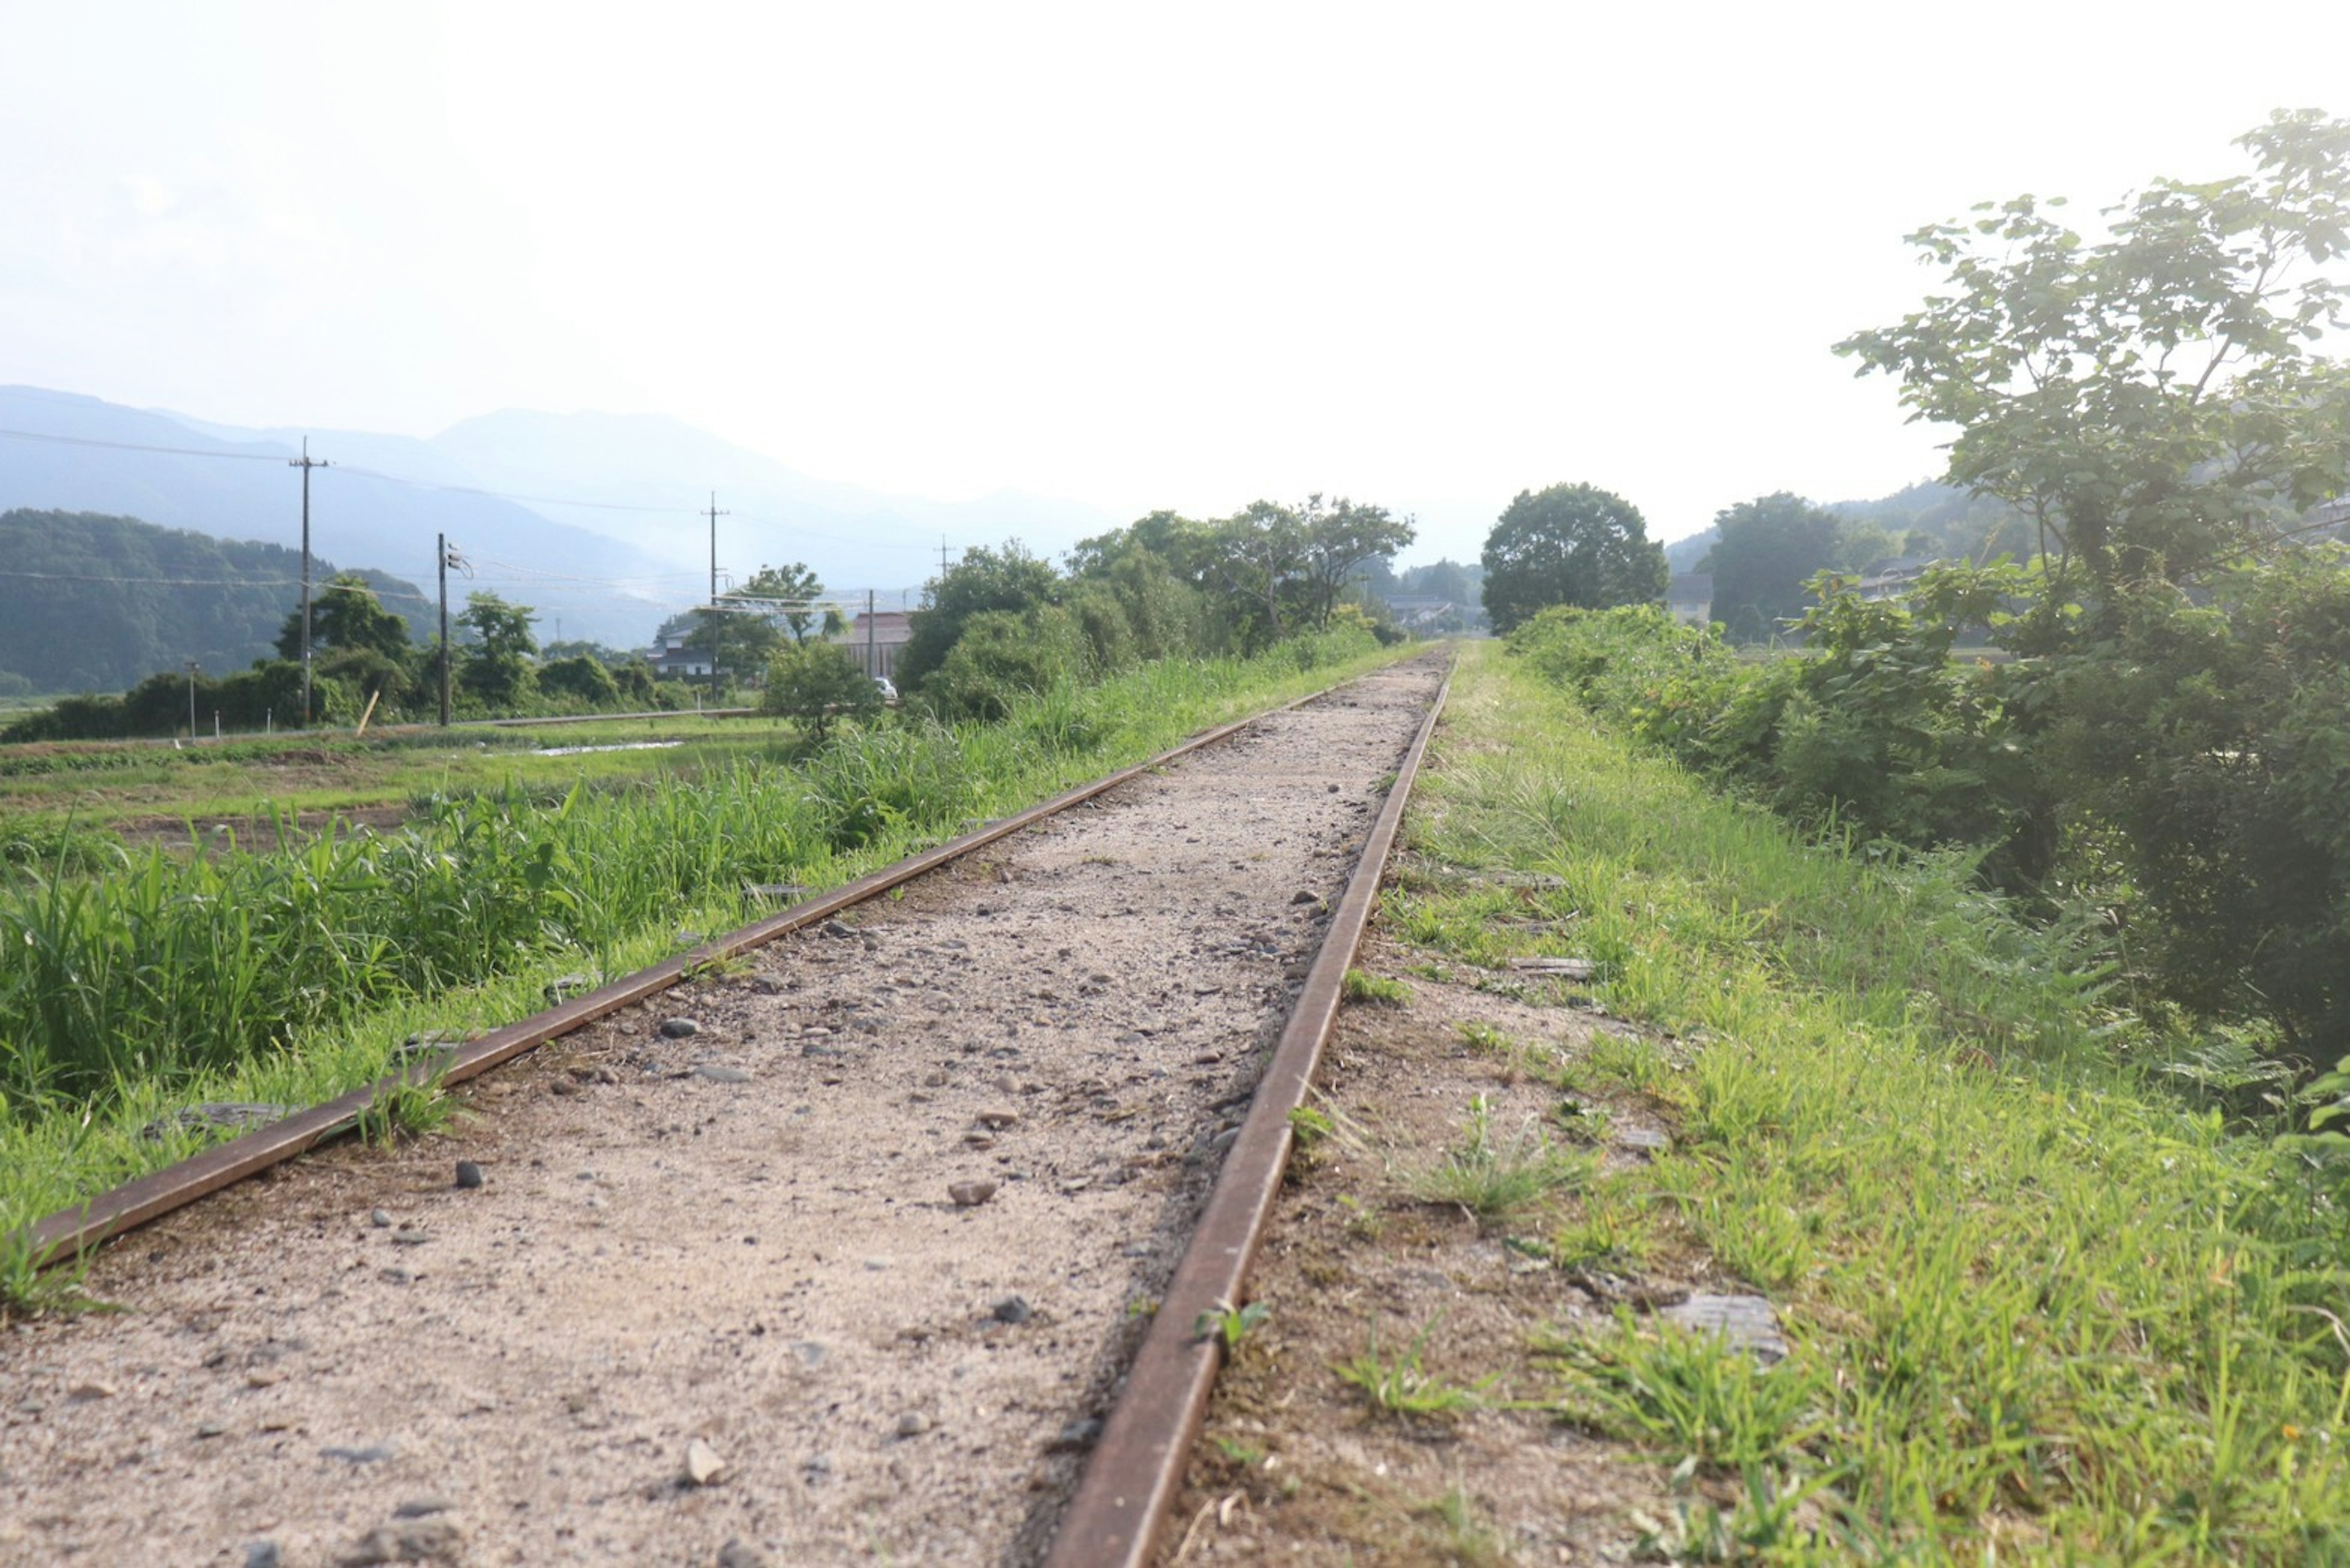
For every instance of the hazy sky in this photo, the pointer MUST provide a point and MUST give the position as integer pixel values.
(1174, 256)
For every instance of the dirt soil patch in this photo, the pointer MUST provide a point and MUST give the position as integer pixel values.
(1392, 1407)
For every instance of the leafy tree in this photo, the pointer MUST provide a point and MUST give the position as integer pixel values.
(1009, 580)
(817, 682)
(1169, 536)
(583, 678)
(2151, 399)
(1253, 562)
(1569, 544)
(498, 647)
(1003, 655)
(1340, 539)
(789, 594)
(346, 613)
(2212, 730)
(1768, 549)
(1445, 579)
(746, 623)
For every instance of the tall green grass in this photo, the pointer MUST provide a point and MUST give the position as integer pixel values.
(2045, 1309)
(289, 975)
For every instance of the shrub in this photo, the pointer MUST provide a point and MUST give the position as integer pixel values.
(815, 682)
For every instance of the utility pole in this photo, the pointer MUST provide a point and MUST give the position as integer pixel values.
(306, 463)
(943, 554)
(191, 701)
(447, 556)
(715, 515)
(872, 653)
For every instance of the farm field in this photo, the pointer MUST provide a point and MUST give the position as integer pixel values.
(151, 790)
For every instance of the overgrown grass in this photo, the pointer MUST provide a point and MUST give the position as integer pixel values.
(2040, 1304)
(291, 975)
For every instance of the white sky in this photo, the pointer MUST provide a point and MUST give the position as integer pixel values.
(1181, 257)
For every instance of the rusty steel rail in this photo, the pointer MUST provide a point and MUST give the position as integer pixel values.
(72, 1233)
(1129, 1487)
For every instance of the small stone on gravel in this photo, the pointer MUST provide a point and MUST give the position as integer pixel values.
(997, 1117)
(379, 1218)
(971, 1194)
(717, 1074)
(1012, 1310)
(428, 1541)
(374, 1453)
(1079, 1434)
(420, 1507)
(702, 1465)
(913, 1424)
(679, 1028)
(741, 1554)
(261, 1554)
(469, 1175)
(213, 1429)
(1305, 896)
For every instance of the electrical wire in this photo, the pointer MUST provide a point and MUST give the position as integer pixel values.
(134, 446)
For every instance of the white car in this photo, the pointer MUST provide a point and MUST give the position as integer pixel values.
(888, 692)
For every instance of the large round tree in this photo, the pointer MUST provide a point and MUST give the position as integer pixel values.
(1570, 544)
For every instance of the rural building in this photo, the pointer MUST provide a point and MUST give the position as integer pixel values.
(874, 637)
(671, 656)
(1689, 597)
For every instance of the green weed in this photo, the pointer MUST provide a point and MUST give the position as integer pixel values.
(1228, 1324)
(1363, 988)
(1401, 1385)
(1691, 1395)
(1495, 1181)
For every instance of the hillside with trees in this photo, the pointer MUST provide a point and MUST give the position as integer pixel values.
(95, 603)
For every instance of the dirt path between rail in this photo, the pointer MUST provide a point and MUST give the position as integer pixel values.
(737, 1253)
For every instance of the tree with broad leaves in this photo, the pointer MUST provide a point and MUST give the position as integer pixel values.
(1340, 538)
(1009, 580)
(2152, 398)
(1765, 552)
(1570, 544)
(747, 623)
(498, 647)
(817, 682)
(347, 614)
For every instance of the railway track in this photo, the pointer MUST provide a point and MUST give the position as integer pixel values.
(880, 1230)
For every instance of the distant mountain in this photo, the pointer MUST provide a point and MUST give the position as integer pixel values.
(73, 454)
(594, 520)
(854, 538)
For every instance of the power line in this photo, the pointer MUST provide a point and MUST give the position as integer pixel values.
(134, 446)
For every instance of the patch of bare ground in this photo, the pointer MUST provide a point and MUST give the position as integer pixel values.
(1391, 1409)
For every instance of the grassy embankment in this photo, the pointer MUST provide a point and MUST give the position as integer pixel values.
(288, 976)
(2042, 1308)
